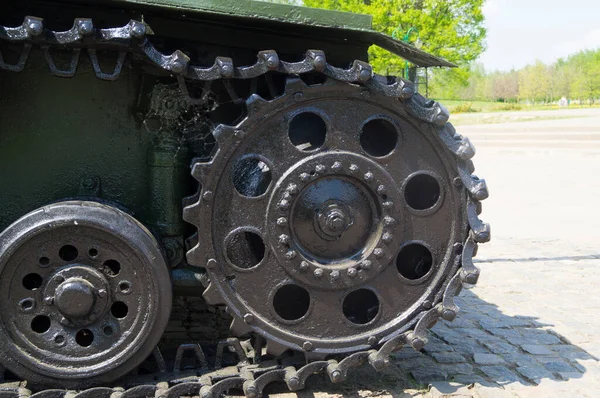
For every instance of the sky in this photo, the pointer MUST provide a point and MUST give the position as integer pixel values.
(521, 31)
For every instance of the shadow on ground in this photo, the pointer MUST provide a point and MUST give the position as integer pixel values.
(483, 345)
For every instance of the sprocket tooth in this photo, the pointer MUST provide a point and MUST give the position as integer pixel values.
(255, 103)
(222, 133)
(212, 296)
(200, 171)
(294, 84)
(276, 349)
(239, 327)
(190, 213)
(197, 256)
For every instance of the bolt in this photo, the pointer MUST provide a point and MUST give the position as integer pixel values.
(272, 61)
(381, 190)
(35, 27)
(101, 292)
(64, 321)
(364, 75)
(457, 182)
(86, 27)
(417, 343)
(284, 204)
(336, 376)
(208, 195)
(366, 264)
(387, 237)
(307, 346)
(211, 263)
(177, 67)
(427, 305)
(353, 168)
(365, 94)
(138, 30)
(319, 168)
(281, 221)
(305, 177)
(251, 391)
(319, 62)
(334, 275)
(298, 96)
(388, 204)
(388, 221)
(337, 166)
(369, 176)
(284, 239)
(293, 383)
(304, 266)
(372, 340)
(352, 272)
(291, 254)
(378, 252)
(292, 189)
(448, 315)
(248, 318)
(318, 273)
(287, 196)
(49, 300)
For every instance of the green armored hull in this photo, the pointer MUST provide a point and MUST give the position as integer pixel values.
(218, 195)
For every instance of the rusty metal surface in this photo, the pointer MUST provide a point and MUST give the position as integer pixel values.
(428, 120)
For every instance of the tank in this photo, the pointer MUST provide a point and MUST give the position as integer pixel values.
(201, 196)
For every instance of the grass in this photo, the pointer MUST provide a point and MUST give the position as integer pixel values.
(457, 107)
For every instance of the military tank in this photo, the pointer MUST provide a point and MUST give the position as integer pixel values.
(205, 196)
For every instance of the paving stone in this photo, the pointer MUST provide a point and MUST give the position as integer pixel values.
(499, 347)
(499, 373)
(521, 359)
(487, 359)
(540, 336)
(457, 368)
(569, 375)
(406, 353)
(534, 374)
(467, 378)
(536, 349)
(428, 374)
(469, 346)
(504, 332)
(448, 357)
(558, 366)
(503, 322)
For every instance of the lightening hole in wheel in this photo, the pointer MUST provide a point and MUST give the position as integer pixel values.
(251, 176)
(112, 267)
(291, 302)
(307, 131)
(414, 261)
(379, 137)
(245, 249)
(40, 324)
(68, 253)
(422, 192)
(93, 253)
(361, 306)
(32, 281)
(108, 330)
(84, 337)
(44, 261)
(119, 310)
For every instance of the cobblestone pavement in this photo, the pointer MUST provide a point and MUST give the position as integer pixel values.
(531, 327)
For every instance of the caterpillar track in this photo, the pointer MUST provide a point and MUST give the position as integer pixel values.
(318, 207)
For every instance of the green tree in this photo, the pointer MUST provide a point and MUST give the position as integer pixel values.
(452, 29)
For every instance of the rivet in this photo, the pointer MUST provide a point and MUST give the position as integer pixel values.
(138, 30)
(365, 94)
(35, 27)
(284, 204)
(387, 237)
(177, 67)
(366, 264)
(305, 177)
(352, 272)
(292, 189)
(334, 275)
(238, 133)
(304, 266)
(208, 195)
(378, 252)
(319, 62)
(281, 221)
(64, 321)
(427, 305)
(318, 273)
(353, 168)
(457, 182)
(381, 190)
(372, 340)
(101, 292)
(284, 239)
(388, 204)
(369, 176)
(319, 168)
(248, 318)
(307, 346)
(211, 263)
(298, 96)
(272, 61)
(49, 300)
(86, 27)
(388, 221)
(337, 166)
(287, 196)
(290, 254)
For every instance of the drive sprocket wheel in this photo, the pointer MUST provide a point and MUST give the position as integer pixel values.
(85, 295)
(331, 218)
